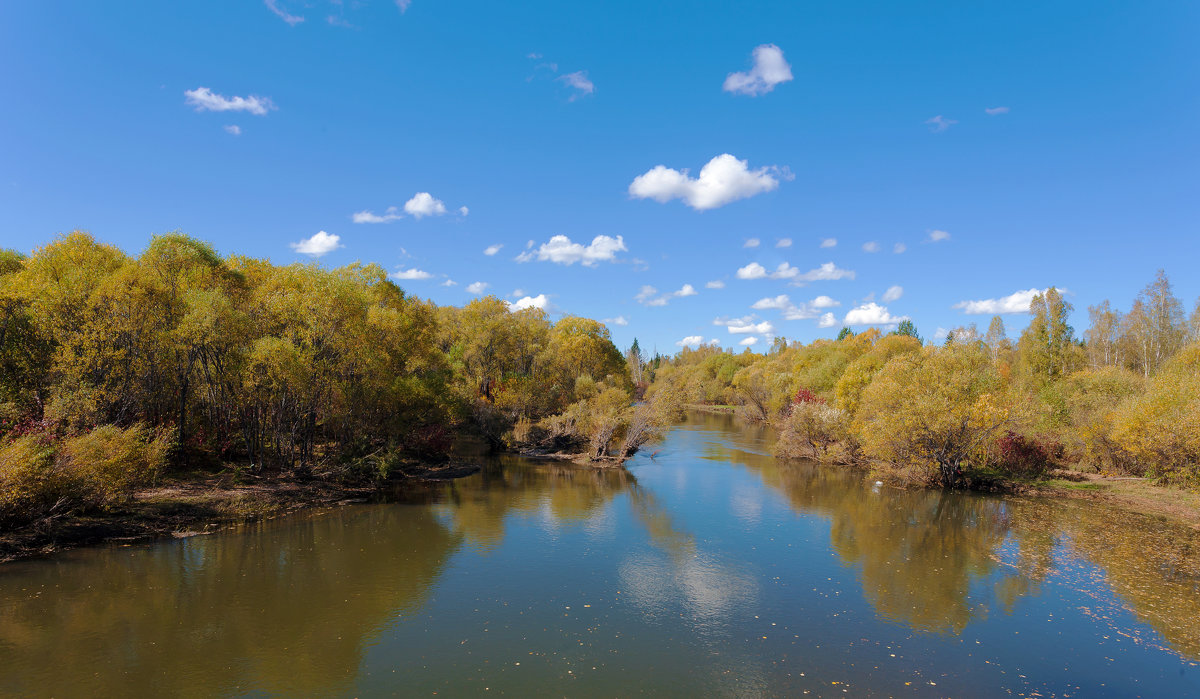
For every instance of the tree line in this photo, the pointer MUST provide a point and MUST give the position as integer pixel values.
(1122, 398)
(114, 368)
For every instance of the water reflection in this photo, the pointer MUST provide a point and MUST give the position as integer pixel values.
(569, 569)
(284, 607)
(923, 554)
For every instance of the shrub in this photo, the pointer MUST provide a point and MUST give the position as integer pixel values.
(1022, 457)
(818, 431)
(109, 463)
(30, 485)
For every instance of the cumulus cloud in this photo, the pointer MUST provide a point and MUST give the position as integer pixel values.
(205, 100)
(492, 249)
(793, 311)
(829, 242)
(477, 288)
(412, 274)
(871, 247)
(783, 243)
(993, 111)
(752, 243)
(403, 5)
(827, 321)
(747, 341)
(872, 314)
(779, 302)
(748, 324)
(648, 295)
(825, 272)
(899, 248)
(579, 81)
(233, 129)
(692, 341)
(722, 180)
(892, 294)
(463, 211)
(560, 250)
(1016, 302)
(389, 215)
(539, 301)
(938, 236)
(770, 69)
(940, 123)
(715, 284)
(424, 204)
(281, 13)
(449, 282)
(619, 320)
(319, 244)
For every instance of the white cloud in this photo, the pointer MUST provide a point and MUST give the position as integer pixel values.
(940, 334)
(899, 248)
(410, 274)
(403, 5)
(492, 249)
(619, 320)
(722, 180)
(477, 288)
(692, 341)
(389, 215)
(715, 284)
(871, 246)
(770, 69)
(449, 282)
(233, 129)
(940, 123)
(561, 250)
(752, 271)
(892, 294)
(539, 301)
(993, 111)
(783, 243)
(793, 311)
(648, 295)
(826, 272)
(872, 314)
(578, 80)
(779, 302)
(747, 341)
(752, 243)
(319, 244)
(938, 236)
(517, 292)
(742, 326)
(423, 204)
(827, 321)
(1016, 302)
(205, 100)
(463, 211)
(273, 6)
(829, 242)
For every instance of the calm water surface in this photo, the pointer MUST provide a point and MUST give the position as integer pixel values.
(709, 569)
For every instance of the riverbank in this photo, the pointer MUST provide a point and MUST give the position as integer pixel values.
(197, 504)
(1137, 494)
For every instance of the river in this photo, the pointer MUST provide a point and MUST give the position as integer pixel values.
(708, 568)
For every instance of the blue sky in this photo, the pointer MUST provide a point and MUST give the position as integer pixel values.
(849, 121)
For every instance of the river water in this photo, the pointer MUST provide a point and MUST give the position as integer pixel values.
(708, 568)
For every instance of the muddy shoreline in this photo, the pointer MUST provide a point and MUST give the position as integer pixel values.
(196, 505)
